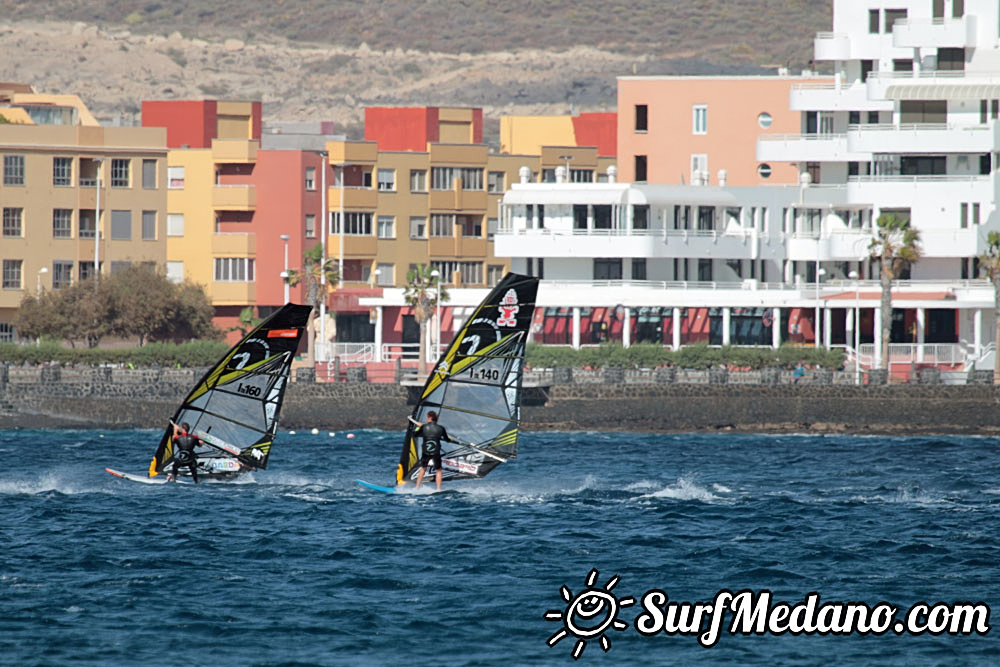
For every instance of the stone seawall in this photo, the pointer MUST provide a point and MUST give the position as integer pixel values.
(967, 409)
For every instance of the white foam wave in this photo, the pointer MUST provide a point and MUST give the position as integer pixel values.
(684, 489)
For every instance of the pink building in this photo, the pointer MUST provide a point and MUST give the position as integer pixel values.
(675, 129)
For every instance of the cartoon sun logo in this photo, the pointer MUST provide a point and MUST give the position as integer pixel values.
(588, 614)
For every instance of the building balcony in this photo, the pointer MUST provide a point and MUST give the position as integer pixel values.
(235, 151)
(938, 33)
(620, 243)
(233, 294)
(805, 148)
(457, 200)
(928, 138)
(832, 46)
(354, 246)
(834, 97)
(352, 152)
(354, 198)
(234, 197)
(234, 244)
(918, 191)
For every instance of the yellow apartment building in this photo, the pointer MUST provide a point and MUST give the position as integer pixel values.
(63, 177)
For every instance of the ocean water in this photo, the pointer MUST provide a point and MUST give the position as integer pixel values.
(298, 565)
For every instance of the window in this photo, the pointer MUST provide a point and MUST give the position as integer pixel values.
(867, 67)
(310, 225)
(175, 178)
(6, 332)
(607, 269)
(13, 170)
(764, 170)
(893, 15)
(62, 172)
(62, 274)
(957, 9)
(310, 178)
(418, 228)
(640, 216)
(357, 224)
(117, 267)
(491, 227)
(120, 168)
(443, 178)
(62, 223)
(471, 273)
(386, 227)
(12, 218)
(951, 59)
(149, 174)
(699, 121)
(86, 270)
(234, 269)
(639, 269)
(579, 216)
(640, 168)
(641, 118)
(12, 274)
(975, 213)
(121, 225)
(87, 226)
(854, 118)
(496, 182)
(902, 65)
(963, 215)
(581, 175)
(494, 274)
(418, 180)
(699, 164)
(175, 224)
(386, 275)
(873, 21)
(149, 225)
(764, 120)
(813, 169)
(548, 175)
(386, 180)
(873, 117)
(442, 225)
(175, 272)
(923, 165)
(705, 270)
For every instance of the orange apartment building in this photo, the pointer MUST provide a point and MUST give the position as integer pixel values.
(64, 179)
(673, 130)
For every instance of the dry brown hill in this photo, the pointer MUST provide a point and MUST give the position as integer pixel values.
(321, 60)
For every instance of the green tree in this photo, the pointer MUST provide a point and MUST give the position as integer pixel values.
(93, 311)
(421, 293)
(247, 321)
(144, 302)
(989, 265)
(896, 245)
(314, 268)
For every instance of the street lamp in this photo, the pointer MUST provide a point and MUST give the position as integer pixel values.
(284, 274)
(97, 224)
(567, 158)
(853, 275)
(322, 264)
(436, 275)
(375, 274)
(41, 272)
(819, 274)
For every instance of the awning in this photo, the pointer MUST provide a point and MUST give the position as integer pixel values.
(943, 91)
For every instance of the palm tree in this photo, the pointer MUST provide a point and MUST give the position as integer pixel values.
(896, 245)
(314, 266)
(989, 265)
(421, 293)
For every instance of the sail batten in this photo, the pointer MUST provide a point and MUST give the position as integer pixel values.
(475, 386)
(238, 400)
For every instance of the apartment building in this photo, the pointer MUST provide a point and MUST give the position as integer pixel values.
(908, 125)
(74, 195)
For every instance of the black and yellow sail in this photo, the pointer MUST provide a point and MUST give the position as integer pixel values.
(475, 386)
(234, 408)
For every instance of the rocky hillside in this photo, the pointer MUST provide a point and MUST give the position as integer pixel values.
(312, 60)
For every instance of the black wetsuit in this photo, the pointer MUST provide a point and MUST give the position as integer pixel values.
(433, 434)
(184, 454)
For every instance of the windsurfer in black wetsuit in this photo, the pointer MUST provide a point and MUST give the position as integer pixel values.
(184, 454)
(432, 433)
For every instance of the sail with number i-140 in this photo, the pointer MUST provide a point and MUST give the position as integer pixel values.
(475, 387)
(233, 410)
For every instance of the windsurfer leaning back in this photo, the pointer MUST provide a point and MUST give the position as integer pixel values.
(184, 454)
(432, 433)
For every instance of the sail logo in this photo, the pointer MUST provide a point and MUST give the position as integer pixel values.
(508, 309)
(588, 614)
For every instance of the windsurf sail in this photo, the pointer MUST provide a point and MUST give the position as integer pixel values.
(475, 387)
(234, 408)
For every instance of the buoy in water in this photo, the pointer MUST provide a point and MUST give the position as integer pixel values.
(332, 434)
(315, 431)
(350, 435)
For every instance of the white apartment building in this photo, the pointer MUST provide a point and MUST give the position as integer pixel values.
(909, 125)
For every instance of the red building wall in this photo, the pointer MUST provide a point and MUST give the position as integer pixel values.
(189, 123)
(597, 129)
(401, 128)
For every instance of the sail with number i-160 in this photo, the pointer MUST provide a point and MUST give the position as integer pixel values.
(476, 387)
(233, 410)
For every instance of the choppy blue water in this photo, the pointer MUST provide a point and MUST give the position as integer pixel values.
(302, 566)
